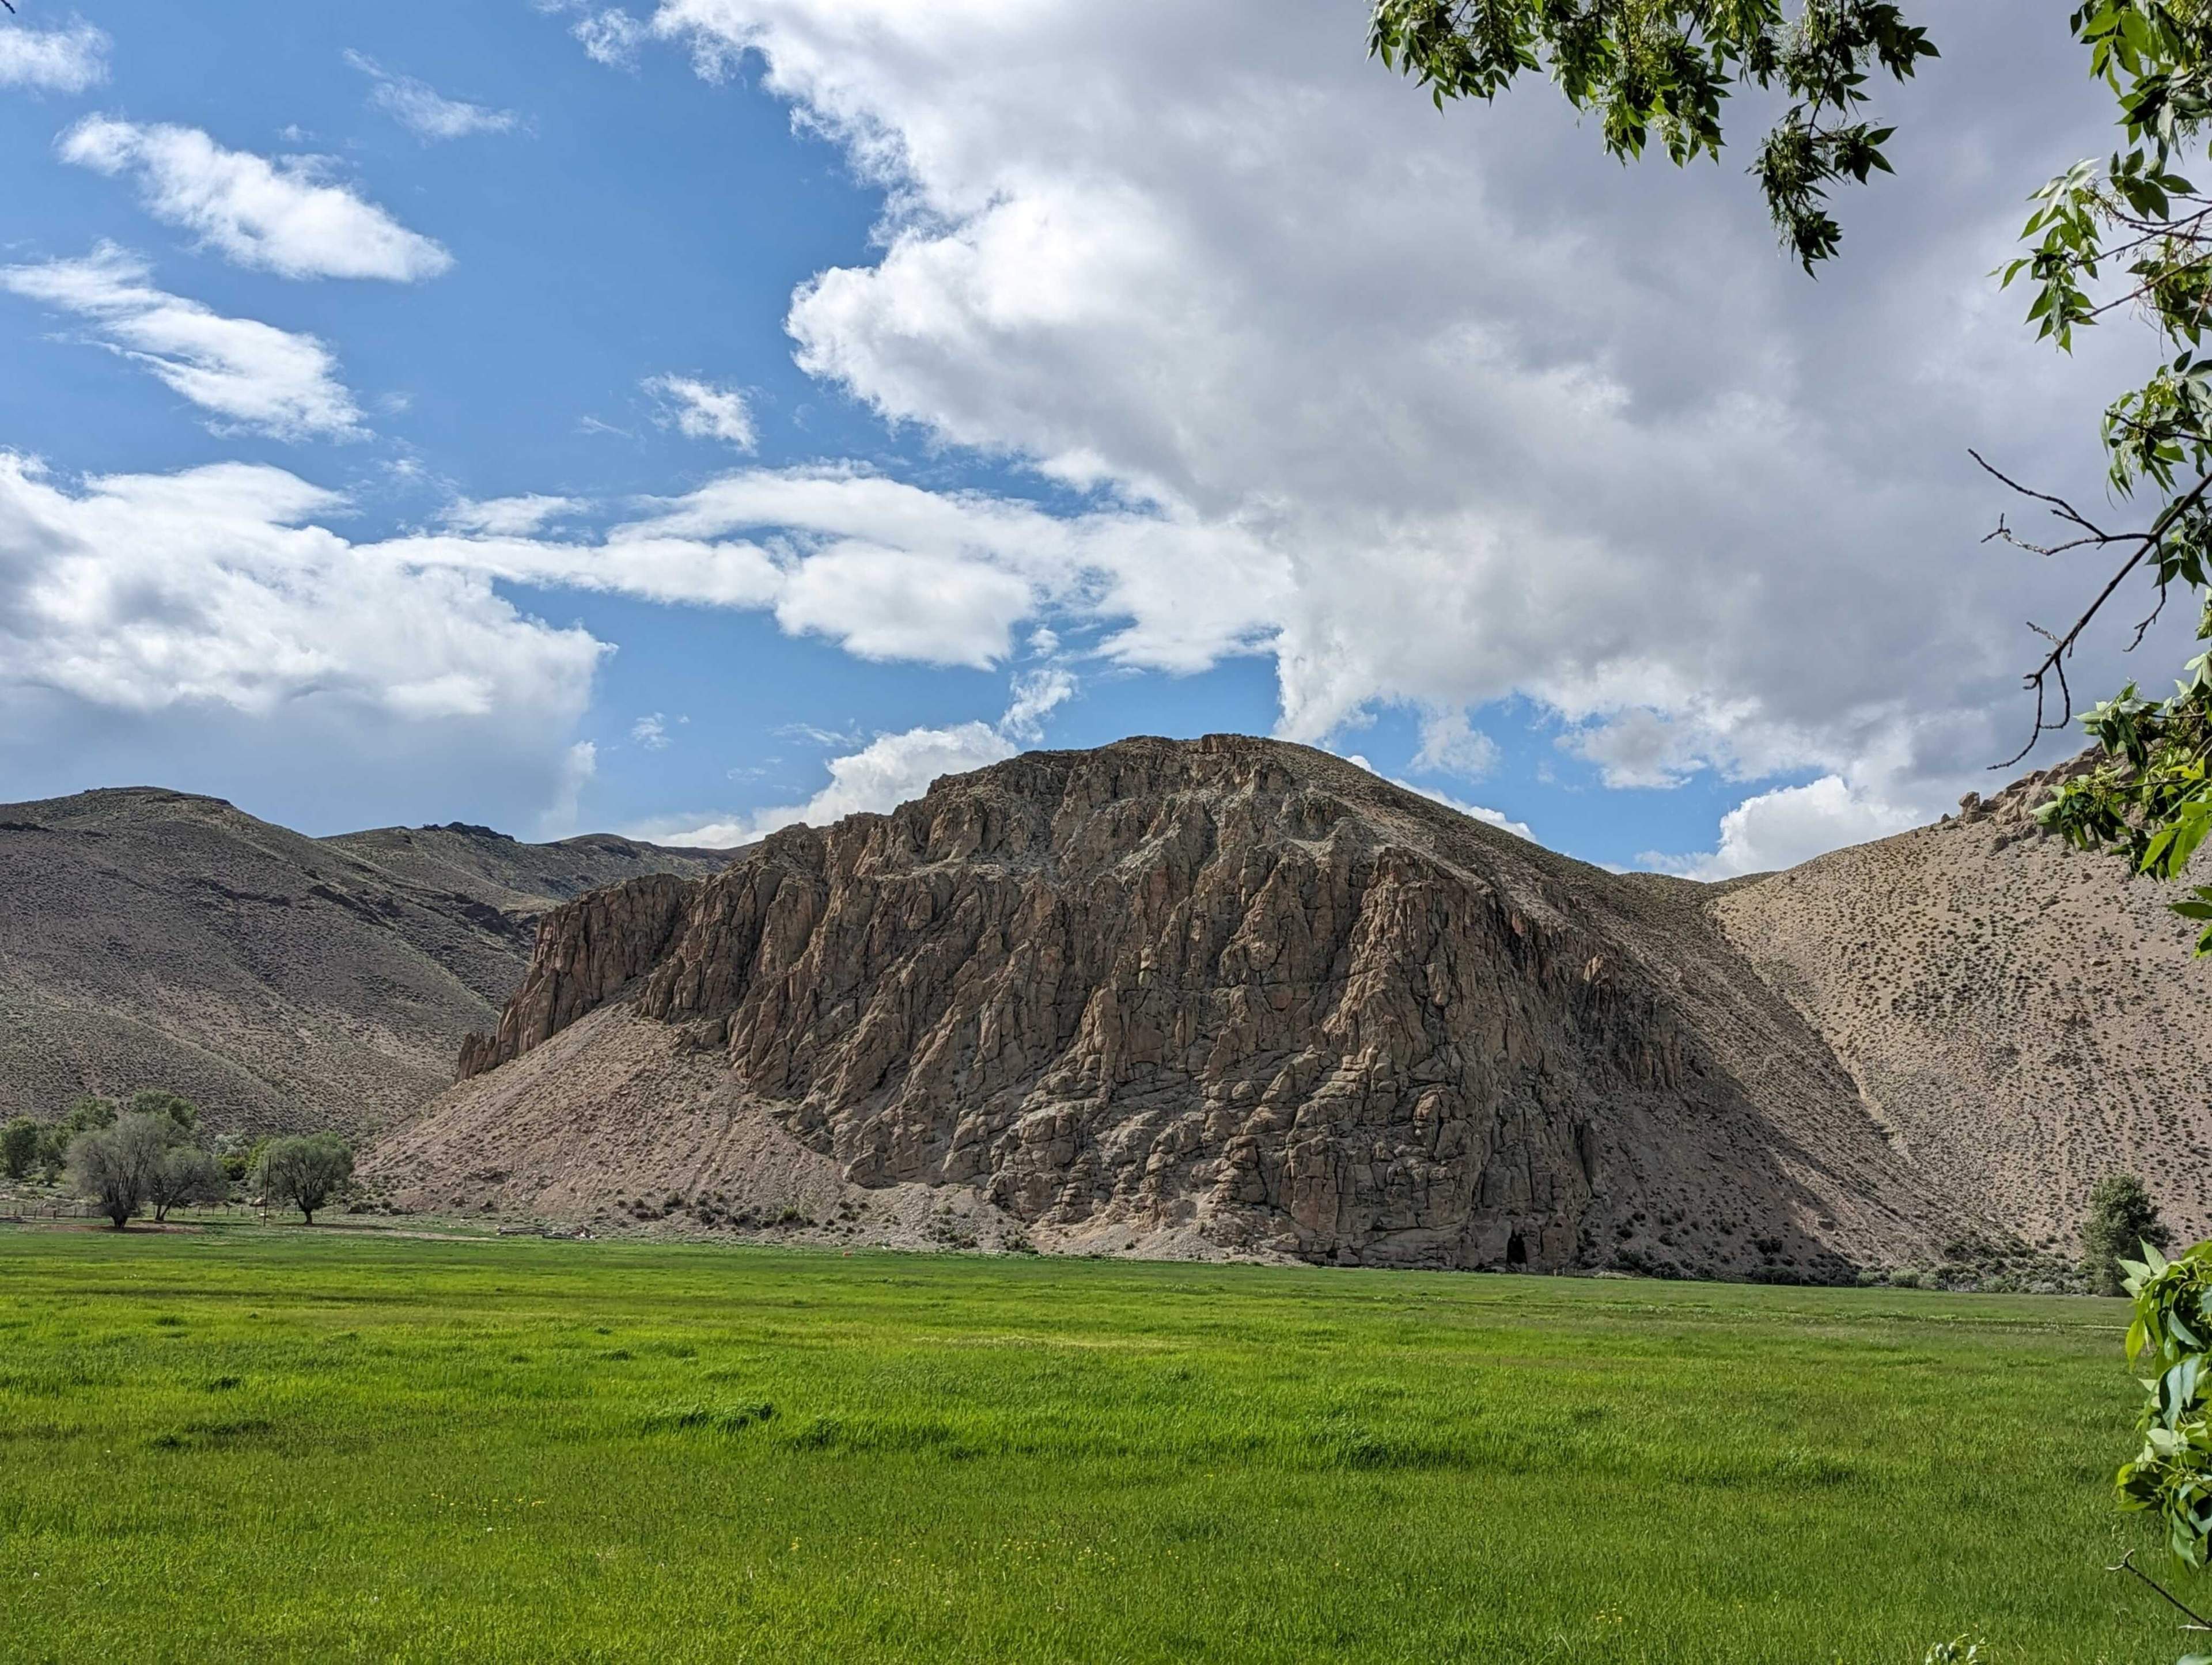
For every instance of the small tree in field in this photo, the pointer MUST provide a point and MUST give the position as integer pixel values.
(116, 1167)
(186, 1173)
(305, 1172)
(2121, 1221)
(19, 1147)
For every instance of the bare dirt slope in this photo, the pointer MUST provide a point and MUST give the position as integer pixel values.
(1232, 994)
(2022, 1018)
(152, 937)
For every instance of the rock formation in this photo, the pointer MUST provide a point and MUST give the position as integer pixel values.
(1234, 992)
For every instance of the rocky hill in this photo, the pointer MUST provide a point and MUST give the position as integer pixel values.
(152, 937)
(1222, 996)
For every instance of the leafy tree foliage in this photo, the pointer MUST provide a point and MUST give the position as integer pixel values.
(2121, 1221)
(88, 1112)
(2172, 1474)
(2129, 234)
(305, 1172)
(53, 1150)
(19, 1147)
(1662, 67)
(117, 1166)
(179, 1108)
(240, 1156)
(185, 1175)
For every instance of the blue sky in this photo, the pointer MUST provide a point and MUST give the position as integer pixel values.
(864, 389)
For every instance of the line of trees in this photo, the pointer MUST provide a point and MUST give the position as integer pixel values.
(150, 1152)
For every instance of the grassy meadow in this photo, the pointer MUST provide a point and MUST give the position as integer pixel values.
(250, 1443)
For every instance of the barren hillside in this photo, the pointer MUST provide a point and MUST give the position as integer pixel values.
(153, 938)
(2022, 1018)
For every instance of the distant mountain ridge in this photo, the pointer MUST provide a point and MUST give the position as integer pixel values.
(1218, 996)
(158, 938)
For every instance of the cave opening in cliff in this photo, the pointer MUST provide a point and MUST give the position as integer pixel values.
(1516, 1252)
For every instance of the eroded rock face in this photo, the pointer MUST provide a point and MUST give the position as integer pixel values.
(585, 952)
(1249, 987)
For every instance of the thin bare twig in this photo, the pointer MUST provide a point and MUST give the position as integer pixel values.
(2127, 1564)
(2054, 663)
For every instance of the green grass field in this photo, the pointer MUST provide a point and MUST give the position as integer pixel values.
(257, 1443)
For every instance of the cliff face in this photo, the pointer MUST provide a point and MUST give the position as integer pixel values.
(1236, 988)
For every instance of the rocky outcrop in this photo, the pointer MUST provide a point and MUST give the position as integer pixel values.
(586, 952)
(1247, 990)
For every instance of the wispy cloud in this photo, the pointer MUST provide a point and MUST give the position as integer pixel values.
(251, 374)
(281, 217)
(64, 60)
(609, 35)
(509, 517)
(423, 111)
(891, 768)
(701, 411)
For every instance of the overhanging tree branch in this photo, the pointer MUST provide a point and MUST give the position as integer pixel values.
(2141, 545)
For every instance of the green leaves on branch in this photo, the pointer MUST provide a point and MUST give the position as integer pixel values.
(1662, 68)
(2134, 233)
(2152, 796)
(2172, 1475)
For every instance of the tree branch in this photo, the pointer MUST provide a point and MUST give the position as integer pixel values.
(2054, 662)
(2127, 1564)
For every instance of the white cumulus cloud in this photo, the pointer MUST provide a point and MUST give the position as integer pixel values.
(892, 769)
(1453, 745)
(1037, 695)
(249, 374)
(889, 770)
(214, 588)
(283, 217)
(1445, 411)
(579, 765)
(1780, 828)
(509, 517)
